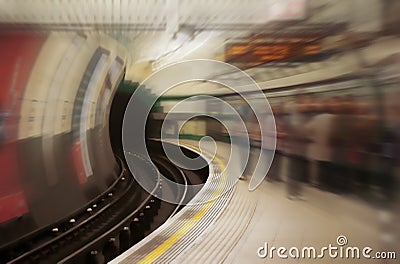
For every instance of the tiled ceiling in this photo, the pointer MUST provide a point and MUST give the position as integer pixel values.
(160, 32)
(152, 13)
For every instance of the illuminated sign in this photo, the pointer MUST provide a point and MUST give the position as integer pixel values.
(266, 52)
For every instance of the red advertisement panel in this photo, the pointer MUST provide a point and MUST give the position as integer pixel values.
(78, 162)
(18, 52)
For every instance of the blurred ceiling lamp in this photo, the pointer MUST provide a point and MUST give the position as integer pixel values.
(287, 9)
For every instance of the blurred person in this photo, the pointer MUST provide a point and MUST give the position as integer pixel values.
(319, 150)
(262, 145)
(255, 149)
(240, 137)
(267, 149)
(341, 138)
(351, 135)
(388, 162)
(381, 154)
(313, 109)
(308, 110)
(297, 142)
(361, 132)
(395, 128)
(274, 173)
(283, 138)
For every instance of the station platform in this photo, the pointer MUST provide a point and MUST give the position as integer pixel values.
(248, 222)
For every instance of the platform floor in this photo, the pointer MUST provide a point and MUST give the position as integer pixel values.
(266, 216)
(316, 221)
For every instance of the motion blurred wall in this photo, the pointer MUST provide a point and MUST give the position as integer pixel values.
(55, 94)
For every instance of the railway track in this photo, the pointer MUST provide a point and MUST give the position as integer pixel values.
(108, 225)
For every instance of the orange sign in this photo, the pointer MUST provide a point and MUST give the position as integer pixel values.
(266, 52)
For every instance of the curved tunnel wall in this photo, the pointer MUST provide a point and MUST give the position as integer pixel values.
(55, 97)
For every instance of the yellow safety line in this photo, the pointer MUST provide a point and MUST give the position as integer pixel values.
(157, 252)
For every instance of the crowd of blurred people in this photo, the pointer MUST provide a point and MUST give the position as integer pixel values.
(336, 144)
